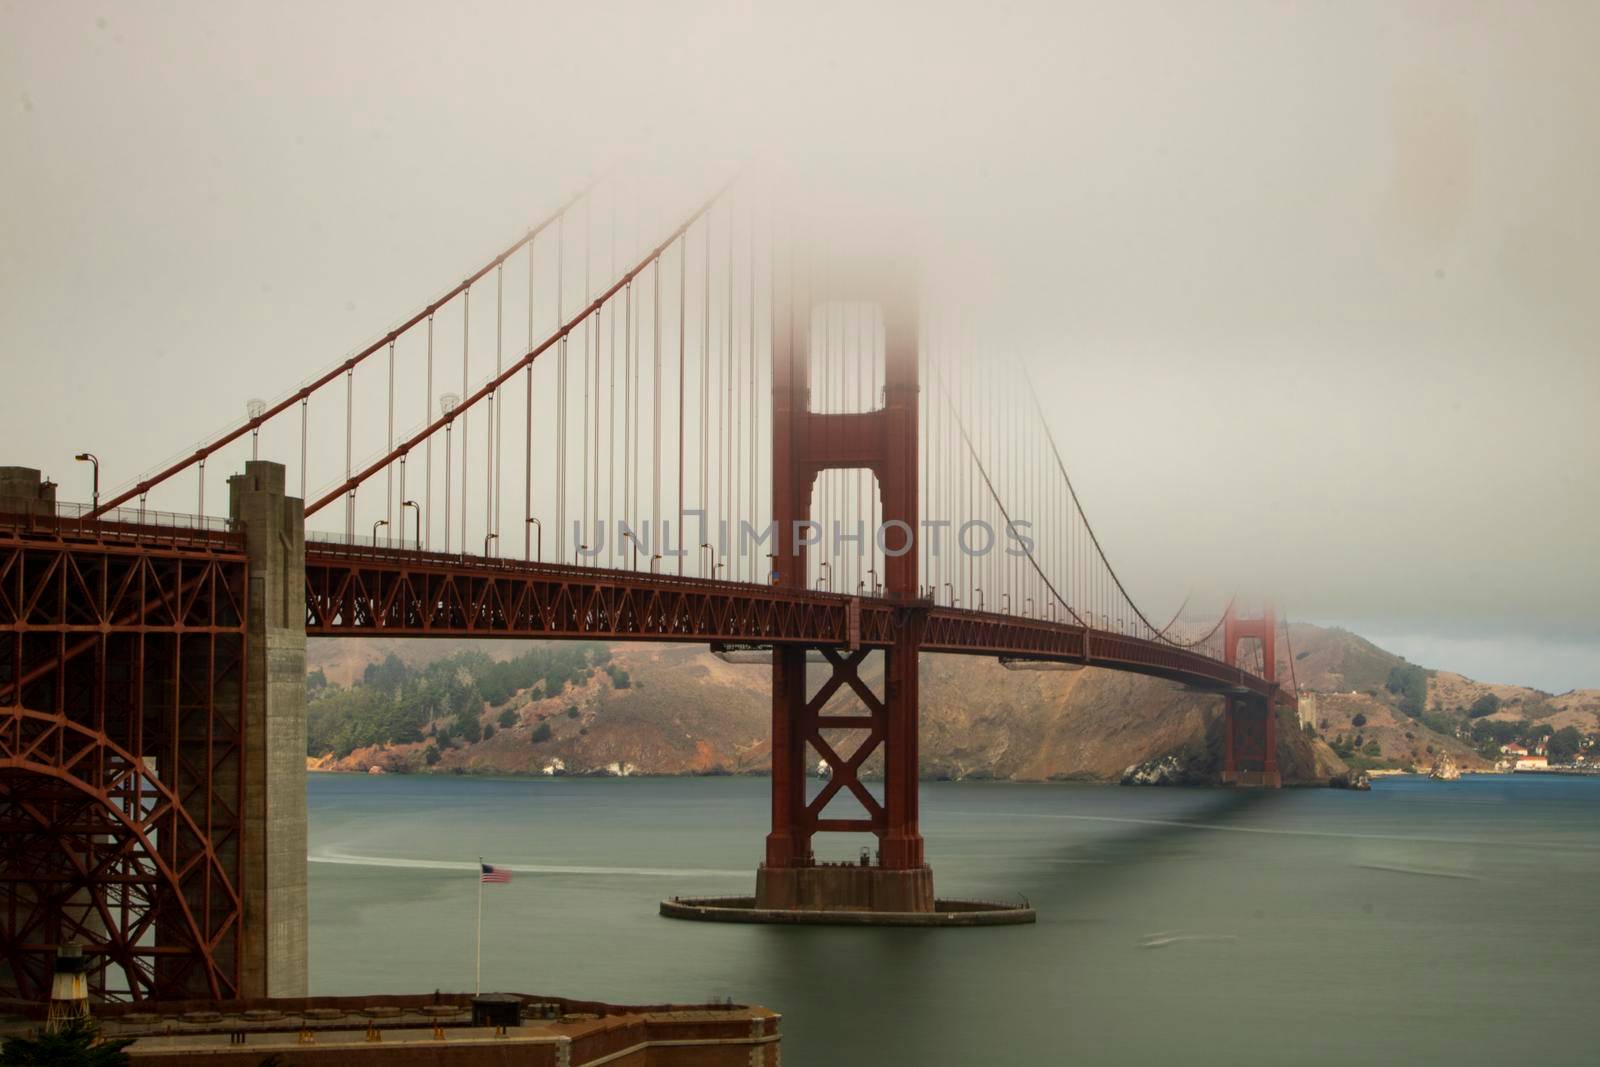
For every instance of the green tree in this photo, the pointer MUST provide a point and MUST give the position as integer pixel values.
(76, 1044)
(1410, 683)
(431, 756)
(1359, 720)
(1564, 744)
(508, 719)
(573, 712)
(1484, 706)
(541, 733)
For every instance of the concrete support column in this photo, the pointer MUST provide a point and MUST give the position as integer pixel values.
(273, 880)
(23, 491)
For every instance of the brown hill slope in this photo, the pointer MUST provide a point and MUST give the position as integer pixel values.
(687, 711)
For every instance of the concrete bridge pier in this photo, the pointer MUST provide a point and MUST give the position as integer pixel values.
(273, 868)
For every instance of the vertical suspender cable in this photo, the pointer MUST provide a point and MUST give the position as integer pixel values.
(655, 417)
(627, 419)
(561, 393)
(349, 443)
(388, 491)
(757, 571)
(427, 416)
(683, 274)
(527, 447)
(591, 340)
(304, 403)
(497, 415)
(466, 415)
(729, 516)
(705, 398)
(583, 515)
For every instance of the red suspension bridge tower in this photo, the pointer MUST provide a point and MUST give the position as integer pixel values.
(804, 444)
(1250, 724)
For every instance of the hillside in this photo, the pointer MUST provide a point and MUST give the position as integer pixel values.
(682, 710)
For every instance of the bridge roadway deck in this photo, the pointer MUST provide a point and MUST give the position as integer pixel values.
(360, 590)
(357, 590)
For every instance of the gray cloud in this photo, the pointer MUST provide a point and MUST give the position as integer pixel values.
(1311, 288)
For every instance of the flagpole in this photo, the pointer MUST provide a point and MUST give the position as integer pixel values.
(478, 971)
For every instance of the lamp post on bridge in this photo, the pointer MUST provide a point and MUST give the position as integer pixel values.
(711, 557)
(576, 552)
(1005, 599)
(826, 575)
(375, 525)
(418, 509)
(629, 534)
(979, 591)
(538, 539)
(954, 600)
(90, 457)
(655, 559)
(486, 539)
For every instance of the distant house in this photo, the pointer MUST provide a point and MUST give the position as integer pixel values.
(1513, 749)
(1532, 763)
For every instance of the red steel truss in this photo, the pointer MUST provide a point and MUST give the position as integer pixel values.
(355, 591)
(122, 653)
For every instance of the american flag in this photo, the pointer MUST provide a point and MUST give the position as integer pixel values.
(492, 875)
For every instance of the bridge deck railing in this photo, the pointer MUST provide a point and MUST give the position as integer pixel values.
(70, 521)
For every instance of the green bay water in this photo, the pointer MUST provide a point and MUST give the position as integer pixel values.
(1421, 922)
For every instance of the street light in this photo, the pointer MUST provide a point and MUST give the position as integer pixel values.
(876, 588)
(375, 525)
(538, 539)
(418, 508)
(486, 539)
(630, 536)
(951, 589)
(711, 557)
(653, 561)
(979, 591)
(1027, 608)
(1005, 598)
(576, 551)
(826, 575)
(89, 457)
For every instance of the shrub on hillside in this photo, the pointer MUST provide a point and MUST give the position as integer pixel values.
(1484, 706)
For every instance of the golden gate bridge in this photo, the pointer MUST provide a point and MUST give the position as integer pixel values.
(718, 428)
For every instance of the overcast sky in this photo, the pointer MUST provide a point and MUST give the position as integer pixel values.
(1311, 287)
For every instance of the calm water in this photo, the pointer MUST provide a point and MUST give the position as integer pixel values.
(1420, 922)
